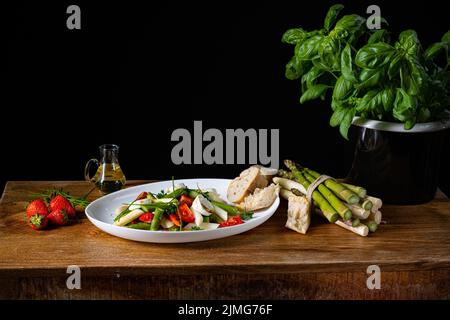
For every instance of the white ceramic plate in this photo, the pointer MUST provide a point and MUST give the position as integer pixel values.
(101, 214)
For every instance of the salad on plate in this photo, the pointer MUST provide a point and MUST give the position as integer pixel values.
(179, 208)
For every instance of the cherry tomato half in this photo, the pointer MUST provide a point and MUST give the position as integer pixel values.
(146, 217)
(186, 214)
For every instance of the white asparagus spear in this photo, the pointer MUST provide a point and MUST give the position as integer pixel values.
(361, 229)
(376, 203)
(129, 217)
(285, 194)
(358, 211)
(120, 209)
(289, 184)
(375, 216)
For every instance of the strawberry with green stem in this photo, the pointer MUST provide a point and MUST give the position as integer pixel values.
(38, 221)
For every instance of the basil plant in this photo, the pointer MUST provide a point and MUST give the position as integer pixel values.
(368, 74)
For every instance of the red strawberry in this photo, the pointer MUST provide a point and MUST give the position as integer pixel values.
(58, 217)
(38, 221)
(59, 202)
(37, 206)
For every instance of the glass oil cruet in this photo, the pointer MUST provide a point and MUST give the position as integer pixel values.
(109, 176)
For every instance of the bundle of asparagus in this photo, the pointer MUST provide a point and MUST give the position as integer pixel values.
(344, 204)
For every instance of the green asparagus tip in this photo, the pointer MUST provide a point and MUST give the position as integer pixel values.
(289, 164)
(334, 217)
(354, 199)
(282, 173)
(348, 215)
(355, 222)
(373, 226)
(367, 205)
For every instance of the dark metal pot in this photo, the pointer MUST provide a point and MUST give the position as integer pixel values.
(399, 166)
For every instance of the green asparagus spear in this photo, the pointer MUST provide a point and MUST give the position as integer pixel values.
(327, 210)
(342, 192)
(285, 174)
(139, 225)
(360, 191)
(337, 204)
(234, 211)
(157, 215)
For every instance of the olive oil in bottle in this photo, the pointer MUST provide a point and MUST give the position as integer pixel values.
(109, 176)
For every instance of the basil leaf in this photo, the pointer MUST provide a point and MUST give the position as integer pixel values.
(436, 48)
(308, 48)
(335, 104)
(369, 78)
(346, 122)
(338, 116)
(294, 69)
(348, 24)
(446, 38)
(332, 14)
(387, 98)
(379, 36)
(329, 50)
(413, 76)
(342, 89)
(374, 55)
(423, 115)
(314, 73)
(313, 92)
(346, 64)
(294, 36)
(394, 66)
(370, 101)
(408, 41)
(405, 107)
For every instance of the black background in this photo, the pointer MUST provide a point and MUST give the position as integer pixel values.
(136, 72)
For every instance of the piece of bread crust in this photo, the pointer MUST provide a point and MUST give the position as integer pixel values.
(243, 185)
(260, 199)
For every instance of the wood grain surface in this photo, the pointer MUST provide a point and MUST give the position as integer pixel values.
(270, 261)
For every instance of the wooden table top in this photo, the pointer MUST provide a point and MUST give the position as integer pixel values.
(414, 238)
